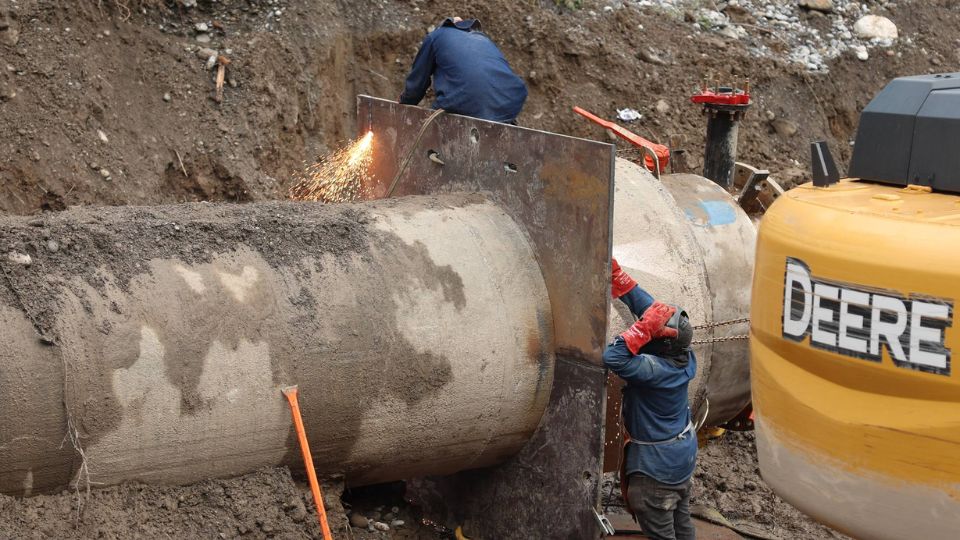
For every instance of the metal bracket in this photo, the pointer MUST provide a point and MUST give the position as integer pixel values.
(604, 523)
(648, 152)
(754, 185)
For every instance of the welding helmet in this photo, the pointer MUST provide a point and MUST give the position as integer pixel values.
(679, 345)
(676, 350)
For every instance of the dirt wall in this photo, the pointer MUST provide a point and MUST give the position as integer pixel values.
(101, 106)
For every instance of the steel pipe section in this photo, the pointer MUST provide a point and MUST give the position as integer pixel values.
(172, 330)
(687, 242)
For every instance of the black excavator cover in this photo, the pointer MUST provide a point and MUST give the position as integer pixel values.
(910, 134)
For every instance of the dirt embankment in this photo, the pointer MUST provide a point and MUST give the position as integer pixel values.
(99, 105)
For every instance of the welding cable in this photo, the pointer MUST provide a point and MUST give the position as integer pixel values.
(413, 148)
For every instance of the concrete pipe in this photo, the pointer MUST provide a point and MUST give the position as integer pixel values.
(167, 334)
(687, 242)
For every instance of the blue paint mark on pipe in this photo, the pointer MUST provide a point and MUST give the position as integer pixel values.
(717, 213)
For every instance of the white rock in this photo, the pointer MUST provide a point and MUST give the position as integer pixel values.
(862, 53)
(202, 27)
(102, 135)
(380, 526)
(19, 258)
(875, 27)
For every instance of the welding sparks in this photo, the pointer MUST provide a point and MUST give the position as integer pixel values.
(340, 177)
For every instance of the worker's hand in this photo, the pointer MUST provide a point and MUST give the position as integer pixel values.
(620, 282)
(651, 326)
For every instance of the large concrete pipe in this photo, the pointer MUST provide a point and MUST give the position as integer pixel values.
(687, 242)
(168, 333)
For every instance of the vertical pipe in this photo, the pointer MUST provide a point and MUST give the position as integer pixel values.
(720, 153)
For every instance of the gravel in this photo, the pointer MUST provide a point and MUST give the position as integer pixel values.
(785, 29)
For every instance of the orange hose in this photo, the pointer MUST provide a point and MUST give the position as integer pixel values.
(291, 393)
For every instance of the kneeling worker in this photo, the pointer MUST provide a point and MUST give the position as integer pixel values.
(470, 75)
(653, 356)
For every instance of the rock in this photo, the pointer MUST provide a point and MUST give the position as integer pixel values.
(732, 32)
(211, 62)
(769, 115)
(102, 136)
(395, 509)
(738, 14)
(166, 97)
(19, 258)
(790, 177)
(358, 520)
(824, 6)
(298, 514)
(94, 165)
(381, 526)
(104, 173)
(203, 38)
(785, 128)
(662, 107)
(388, 517)
(397, 523)
(651, 57)
(861, 52)
(188, 3)
(875, 27)
(204, 53)
(202, 27)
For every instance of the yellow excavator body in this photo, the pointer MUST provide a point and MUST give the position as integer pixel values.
(856, 398)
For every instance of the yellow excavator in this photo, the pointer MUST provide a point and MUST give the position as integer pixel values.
(856, 399)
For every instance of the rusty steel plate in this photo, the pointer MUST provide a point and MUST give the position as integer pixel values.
(558, 188)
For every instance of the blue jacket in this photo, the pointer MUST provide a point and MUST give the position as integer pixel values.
(655, 406)
(470, 75)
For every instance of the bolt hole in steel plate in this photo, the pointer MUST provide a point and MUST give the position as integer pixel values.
(557, 184)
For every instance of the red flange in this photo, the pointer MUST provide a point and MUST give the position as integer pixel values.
(723, 96)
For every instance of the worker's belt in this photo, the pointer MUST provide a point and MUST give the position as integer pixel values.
(680, 437)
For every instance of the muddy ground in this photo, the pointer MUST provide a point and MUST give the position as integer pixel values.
(273, 504)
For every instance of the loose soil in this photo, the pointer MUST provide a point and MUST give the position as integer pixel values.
(101, 105)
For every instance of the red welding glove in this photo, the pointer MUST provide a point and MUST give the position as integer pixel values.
(620, 282)
(651, 326)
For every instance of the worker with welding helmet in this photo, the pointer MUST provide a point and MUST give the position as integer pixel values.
(653, 356)
(470, 74)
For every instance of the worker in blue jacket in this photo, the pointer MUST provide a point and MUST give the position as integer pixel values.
(653, 356)
(470, 75)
